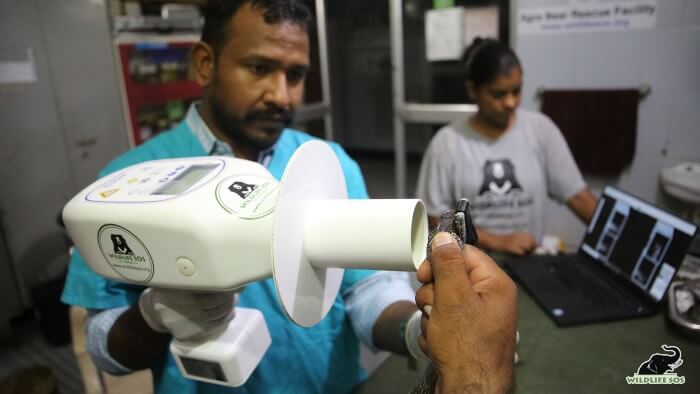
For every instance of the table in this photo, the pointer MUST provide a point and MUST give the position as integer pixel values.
(593, 358)
(596, 358)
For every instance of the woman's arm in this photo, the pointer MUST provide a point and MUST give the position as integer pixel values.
(583, 205)
(518, 243)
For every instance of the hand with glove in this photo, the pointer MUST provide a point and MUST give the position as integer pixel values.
(187, 315)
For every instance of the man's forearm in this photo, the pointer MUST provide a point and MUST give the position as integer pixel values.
(387, 333)
(132, 343)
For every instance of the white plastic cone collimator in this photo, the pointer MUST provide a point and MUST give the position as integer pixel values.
(366, 234)
(318, 233)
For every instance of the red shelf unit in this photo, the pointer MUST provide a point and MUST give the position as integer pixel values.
(156, 90)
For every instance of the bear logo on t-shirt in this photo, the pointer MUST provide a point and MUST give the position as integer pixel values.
(499, 178)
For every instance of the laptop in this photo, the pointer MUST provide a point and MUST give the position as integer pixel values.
(628, 257)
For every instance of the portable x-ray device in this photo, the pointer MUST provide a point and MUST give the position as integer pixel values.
(217, 223)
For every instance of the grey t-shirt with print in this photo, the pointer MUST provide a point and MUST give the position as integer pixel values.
(506, 179)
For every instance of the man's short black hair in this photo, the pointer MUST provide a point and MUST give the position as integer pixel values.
(218, 14)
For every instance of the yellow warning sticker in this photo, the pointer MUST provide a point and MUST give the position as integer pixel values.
(108, 193)
(133, 180)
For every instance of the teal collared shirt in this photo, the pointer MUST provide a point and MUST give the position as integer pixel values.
(321, 359)
(212, 145)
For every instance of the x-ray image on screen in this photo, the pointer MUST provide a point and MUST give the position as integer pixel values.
(652, 255)
(612, 230)
(639, 242)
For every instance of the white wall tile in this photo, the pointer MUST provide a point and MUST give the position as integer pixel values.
(609, 59)
(691, 13)
(671, 60)
(548, 61)
(684, 129)
(670, 14)
(641, 177)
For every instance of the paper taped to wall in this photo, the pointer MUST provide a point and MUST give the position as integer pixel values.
(16, 71)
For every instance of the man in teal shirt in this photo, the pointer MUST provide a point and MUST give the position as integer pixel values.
(252, 63)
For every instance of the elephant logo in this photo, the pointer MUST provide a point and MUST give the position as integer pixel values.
(499, 178)
(242, 188)
(120, 246)
(662, 363)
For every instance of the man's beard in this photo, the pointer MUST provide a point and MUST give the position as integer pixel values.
(238, 129)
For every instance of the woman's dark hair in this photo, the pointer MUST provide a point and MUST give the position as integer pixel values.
(486, 59)
(218, 14)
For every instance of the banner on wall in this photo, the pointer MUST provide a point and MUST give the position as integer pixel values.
(578, 16)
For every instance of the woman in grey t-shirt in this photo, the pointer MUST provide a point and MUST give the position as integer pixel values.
(505, 160)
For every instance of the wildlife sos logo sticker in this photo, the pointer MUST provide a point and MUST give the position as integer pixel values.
(125, 253)
(659, 368)
(242, 189)
(248, 196)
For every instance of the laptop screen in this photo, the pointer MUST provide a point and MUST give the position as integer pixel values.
(637, 240)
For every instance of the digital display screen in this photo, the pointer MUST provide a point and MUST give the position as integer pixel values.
(185, 180)
(638, 240)
(203, 369)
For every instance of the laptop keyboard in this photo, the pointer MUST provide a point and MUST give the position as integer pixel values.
(593, 289)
